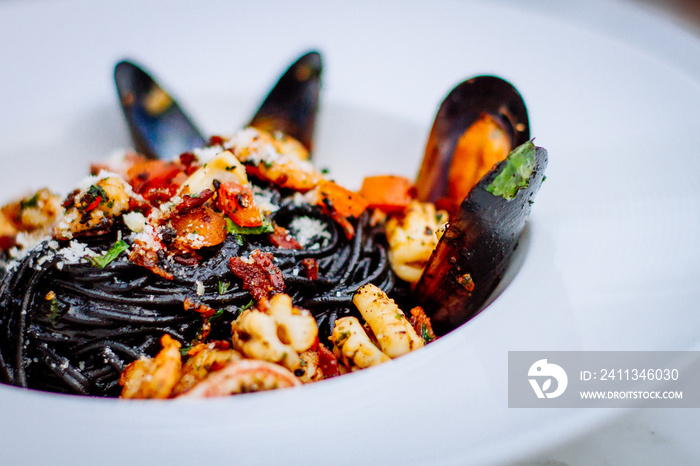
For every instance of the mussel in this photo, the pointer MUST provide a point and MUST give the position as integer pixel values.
(479, 122)
(292, 104)
(482, 121)
(161, 129)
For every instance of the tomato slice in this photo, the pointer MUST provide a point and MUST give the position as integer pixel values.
(237, 202)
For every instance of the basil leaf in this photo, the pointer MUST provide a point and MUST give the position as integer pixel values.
(103, 260)
(232, 228)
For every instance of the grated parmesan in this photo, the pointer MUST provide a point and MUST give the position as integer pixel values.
(306, 229)
(263, 199)
(75, 252)
(205, 154)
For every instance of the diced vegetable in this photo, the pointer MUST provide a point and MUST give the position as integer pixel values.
(343, 201)
(198, 228)
(156, 180)
(389, 193)
(237, 202)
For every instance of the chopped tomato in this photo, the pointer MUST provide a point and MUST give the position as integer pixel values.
(237, 202)
(260, 276)
(310, 267)
(156, 180)
(283, 240)
(327, 362)
(387, 193)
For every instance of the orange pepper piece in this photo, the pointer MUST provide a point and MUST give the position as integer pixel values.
(388, 193)
(343, 201)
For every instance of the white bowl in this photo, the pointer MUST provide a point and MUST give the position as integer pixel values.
(612, 253)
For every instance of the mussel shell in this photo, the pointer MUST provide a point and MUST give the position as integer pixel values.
(159, 127)
(292, 104)
(465, 104)
(480, 242)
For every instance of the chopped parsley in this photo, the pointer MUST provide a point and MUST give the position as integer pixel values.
(240, 310)
(425, 334)
(216, 315)
(238, 238)
(54, 311)
(223, 287)
(31, 202)
(96, 191)
(109, 256)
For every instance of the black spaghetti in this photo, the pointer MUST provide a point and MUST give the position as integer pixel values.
(73, 327)
(147, 256)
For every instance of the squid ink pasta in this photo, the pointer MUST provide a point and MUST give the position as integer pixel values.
(240, 267)
(146, 254)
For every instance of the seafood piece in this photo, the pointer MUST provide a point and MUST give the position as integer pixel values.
(159, 127)
(277, 335)
(204, 361)
(412, 237)
(243, 376)
(94, 208)
(292, 104)
(153, 377)
(31, 216)
(224, 168)
(473, 253)
(274, 158)
(35, 212)
(395, 335)
(352, 345)
(480, 121)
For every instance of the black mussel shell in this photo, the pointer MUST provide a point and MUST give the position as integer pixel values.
(292, 104)
(464, 105)
(158, 126)
(473, 254)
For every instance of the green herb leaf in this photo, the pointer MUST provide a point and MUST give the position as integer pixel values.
(342, 337)
(232, 228)
(516, 171)
(31, 202)
(54, 311)
(238, 238)
(247, 306)
(103, 260)
(216, 315)
(96, 191)
(223, 287)
(425, 334)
